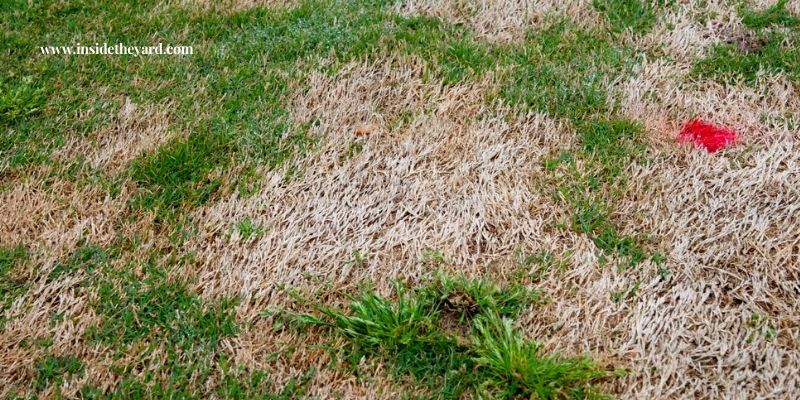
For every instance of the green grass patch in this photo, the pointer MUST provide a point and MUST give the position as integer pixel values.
(142, 308)
(542, 261)
(564, 71)
(728, 63)
(590, 188)
(11, 286)
(54, 370)
(249, 229)
(178, 174)
(256, 385)
(134, 308)
(233, 385)
(456, 338)
(44, 100)
(87, 258)
(768, 49)
(775, 15)
(638, 16)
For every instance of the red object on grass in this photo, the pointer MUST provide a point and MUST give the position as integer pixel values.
(707, 135)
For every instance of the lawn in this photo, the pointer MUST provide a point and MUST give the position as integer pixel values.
(399, 199)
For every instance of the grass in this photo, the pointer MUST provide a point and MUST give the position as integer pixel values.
(229, 111)
(54, 370)
(635, 15)
(11, 286)
(563, 71)
(592, 182)
(249, 229)
(227, 105)
(775, 51)
(232, 104)
(134, 308)
(775, 15)
(727, 63)
(542, 261)
(761, 325)
(87, 258)
(142, 309)
(456, 338)
(177, 176)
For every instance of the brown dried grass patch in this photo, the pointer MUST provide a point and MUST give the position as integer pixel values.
(728, 224)
(688, 29)
(438, 170)
(51, 218)
(448, 179)
(137, 130)
(289, 355)
(31, 318)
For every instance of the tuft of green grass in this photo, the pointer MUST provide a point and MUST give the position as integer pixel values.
(635, 15)
(626, 293)
(777, 15)
(455, 338)
(728, 63)
(564, 71)
(86, 257)
(468, 298)
(608, 146)
(249, 229)
(358, 258)
(54, 370)
(353, 149)
(178, 174)
(612, 139)
(542, 261)
(433, 257)
(762, 325)
(627, 247)
(516, 368)
(10, 286)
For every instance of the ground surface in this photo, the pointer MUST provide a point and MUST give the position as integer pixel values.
(192, 226)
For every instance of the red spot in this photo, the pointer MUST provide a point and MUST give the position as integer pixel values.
(707, 135)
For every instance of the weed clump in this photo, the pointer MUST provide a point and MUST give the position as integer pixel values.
(455, 337)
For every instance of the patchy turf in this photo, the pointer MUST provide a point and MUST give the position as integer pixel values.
(399, 199)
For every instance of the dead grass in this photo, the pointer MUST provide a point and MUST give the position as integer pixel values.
(437, 171)
(137, 130)
(440, 171)
(52, 218)
(289, 355)
(730, 224)
(454, 178)
(50, 214)
(686, 31)
(33, 318)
